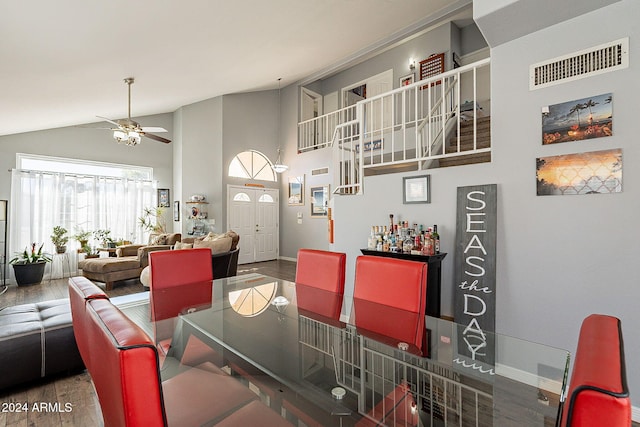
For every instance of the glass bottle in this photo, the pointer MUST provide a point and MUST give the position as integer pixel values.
(436, 239)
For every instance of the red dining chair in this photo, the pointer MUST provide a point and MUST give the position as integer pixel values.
(390, 298)
(321, 269)
(123, 364)
(180, 281)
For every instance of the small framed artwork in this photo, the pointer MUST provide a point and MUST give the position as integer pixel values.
(296, 191)
(407, 80)
(416, 189)
(163, 197)
(176, 210)
(320, 201)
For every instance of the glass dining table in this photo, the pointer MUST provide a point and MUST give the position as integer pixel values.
(309, 360)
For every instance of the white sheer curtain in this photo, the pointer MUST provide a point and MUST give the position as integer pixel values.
(42, 200)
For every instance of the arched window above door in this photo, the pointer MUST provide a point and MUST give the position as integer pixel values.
(252, 164)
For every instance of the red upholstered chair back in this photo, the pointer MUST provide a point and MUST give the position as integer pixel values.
(122, 362)
(321, 269)
(179, 280)
(80, 291)
(390, 297)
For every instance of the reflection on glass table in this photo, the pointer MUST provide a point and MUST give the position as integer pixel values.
(286, 343)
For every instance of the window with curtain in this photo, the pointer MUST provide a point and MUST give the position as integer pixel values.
(42, 199)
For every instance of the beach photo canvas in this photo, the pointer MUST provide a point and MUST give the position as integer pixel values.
(595, 172)
(578, 120)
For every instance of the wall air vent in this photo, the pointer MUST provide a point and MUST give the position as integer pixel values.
(320, 171)
(589, 62)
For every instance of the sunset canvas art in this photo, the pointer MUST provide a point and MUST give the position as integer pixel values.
(594, 172)
(578, 120)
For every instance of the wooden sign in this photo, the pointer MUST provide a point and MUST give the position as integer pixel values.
(475, 276)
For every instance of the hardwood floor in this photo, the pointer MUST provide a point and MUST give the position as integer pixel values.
(71, 400)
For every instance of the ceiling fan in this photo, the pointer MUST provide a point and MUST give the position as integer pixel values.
(130, 132)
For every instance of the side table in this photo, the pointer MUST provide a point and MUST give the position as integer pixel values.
(58, 264)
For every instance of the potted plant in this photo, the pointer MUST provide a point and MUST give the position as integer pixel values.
(28, 266)
(82, 237)
(59, 238)
(152, 220)
(89, 252)
(103, 236)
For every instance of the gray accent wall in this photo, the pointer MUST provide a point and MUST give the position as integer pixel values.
(559, 258)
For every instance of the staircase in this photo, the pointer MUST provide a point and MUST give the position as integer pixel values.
(483, 139)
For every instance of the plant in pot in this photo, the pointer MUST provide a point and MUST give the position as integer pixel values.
(104, 237)
(59, 238)
(89, 252)
(28, 266)
(82, 237)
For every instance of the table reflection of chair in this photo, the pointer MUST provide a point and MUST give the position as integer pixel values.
(180, 283)
(386, 289)
(319, 304)
(321, 269)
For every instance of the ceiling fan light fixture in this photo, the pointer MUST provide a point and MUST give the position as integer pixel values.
(119, 136)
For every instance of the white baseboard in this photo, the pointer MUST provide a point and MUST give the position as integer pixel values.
(286, 258)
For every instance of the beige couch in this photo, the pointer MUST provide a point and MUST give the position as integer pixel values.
(129, 261)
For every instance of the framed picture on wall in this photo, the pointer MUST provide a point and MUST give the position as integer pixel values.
(163, 197)
(415, 189)
(406, 80)
(320, 201)
(296, 191)
(176, 210)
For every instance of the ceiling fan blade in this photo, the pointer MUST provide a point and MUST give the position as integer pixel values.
(155, 137)
(109, 120)
(153, 129)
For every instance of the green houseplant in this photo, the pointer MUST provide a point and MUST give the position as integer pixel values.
(103, 236)
(152, 220)
(82, 236)
(59, 238)
(28, 266)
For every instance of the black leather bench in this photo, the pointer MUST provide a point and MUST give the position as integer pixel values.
(37, 341)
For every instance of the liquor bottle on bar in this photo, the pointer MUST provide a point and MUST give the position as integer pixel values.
(417, 245)
(436, 239)
(372, 241)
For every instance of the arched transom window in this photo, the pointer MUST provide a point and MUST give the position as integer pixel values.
(252, 165)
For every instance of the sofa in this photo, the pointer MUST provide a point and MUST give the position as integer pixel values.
(129, 261)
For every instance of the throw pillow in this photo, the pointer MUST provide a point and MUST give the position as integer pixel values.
(235, 238)
(211, 236)
(180, 245)
(158, 239)
(219, 245)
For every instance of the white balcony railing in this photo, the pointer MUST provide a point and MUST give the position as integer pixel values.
(408, 127)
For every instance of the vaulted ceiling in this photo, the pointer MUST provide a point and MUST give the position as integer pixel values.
(64, 62)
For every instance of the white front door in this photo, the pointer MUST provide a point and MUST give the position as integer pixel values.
(253, 214)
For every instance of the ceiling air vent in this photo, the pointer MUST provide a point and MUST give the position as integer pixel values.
(589, 62)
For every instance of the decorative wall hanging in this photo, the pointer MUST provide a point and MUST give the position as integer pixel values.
(416, 189)
(320, 201)
(582, 173)
(163, 197)
(577, 120)
(296, 191)
(406, 80)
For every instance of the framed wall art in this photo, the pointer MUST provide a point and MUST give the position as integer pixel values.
(407, 80)
(296, 191)
(416, 189)
(163, 197)
(577, 120)
(320, 201)
(176, 210)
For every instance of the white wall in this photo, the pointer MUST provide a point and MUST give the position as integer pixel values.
(91, 144)
(559, 258)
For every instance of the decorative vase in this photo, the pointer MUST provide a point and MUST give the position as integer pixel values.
(29, 274)
(61, 249)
